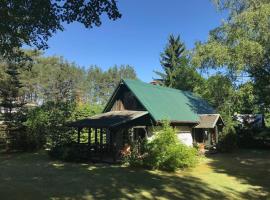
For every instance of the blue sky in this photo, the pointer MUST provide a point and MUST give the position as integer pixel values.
(139, 36)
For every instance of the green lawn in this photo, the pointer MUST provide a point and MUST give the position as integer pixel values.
(243, 175)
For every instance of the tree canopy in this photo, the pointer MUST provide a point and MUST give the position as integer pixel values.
(241, 45)
(32, 22)
(54, 79)
(178, 73)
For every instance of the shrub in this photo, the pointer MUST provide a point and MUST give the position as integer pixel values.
(135, 157)
(164, 152)
(253, 138)
(227, 140)
(70, 152)
(47, 124)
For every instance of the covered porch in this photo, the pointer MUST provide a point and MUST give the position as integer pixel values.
(208, 130)
(107, 133)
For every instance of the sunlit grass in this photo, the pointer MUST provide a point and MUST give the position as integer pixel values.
(243, 175)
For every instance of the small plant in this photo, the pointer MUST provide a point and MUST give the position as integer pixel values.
(134, 157)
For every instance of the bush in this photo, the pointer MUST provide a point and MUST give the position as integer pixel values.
(135, 157)
(70, 152)
(164, 152)
(47, 124)
(253, 138)
(227, 140)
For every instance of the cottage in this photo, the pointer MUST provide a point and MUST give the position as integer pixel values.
(136, 109)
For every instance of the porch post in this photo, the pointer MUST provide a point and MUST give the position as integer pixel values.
(216, 130)
(100, 143)
(110, 139)
(101, 138)
(79, 135)
(89, 136)
(95, 136)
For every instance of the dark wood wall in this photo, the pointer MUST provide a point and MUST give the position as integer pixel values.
(126, 101)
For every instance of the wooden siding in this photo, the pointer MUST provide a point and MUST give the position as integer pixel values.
(126, 101)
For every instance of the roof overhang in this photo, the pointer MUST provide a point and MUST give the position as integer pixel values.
(109, 119)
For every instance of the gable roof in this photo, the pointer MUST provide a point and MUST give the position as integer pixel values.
(209, 120)
(164, 103)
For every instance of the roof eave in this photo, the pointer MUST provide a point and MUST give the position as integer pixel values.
(179, 122)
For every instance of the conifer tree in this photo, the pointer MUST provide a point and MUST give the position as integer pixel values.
(178, 73)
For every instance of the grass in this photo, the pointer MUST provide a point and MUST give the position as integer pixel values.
(242, 175)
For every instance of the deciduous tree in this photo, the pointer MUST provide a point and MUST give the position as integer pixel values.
(32, 22)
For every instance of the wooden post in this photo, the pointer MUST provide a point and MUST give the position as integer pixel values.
(101, 143)
(89, 136)
(101, 138)
(79, 135)
(111, 139)
(113, 145)
(216, 130)
(95, 136)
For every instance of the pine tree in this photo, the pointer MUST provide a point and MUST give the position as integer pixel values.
(179, 73)
(10, 101)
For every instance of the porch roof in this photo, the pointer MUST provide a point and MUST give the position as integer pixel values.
(108, 119)
(209, 120)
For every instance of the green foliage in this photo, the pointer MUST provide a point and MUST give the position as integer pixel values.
(135, 157)
(101, 84)
(65, 91)
(171, 59)
(54, 79)
(228, 138)
(253, 138)
(175, 63)
(218, 91)
(11, 102)
(51, 79)
(187, 78)
(240, 46)
(71, 152)
(32, 22)
(245, 99)
(164, 152)
(82, 111)
(48, 124)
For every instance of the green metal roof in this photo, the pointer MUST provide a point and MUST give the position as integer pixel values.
(164, 103)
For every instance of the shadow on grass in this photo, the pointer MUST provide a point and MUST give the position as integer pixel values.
(248, 166)
(34, 176)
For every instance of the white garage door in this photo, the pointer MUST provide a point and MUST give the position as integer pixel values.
(186, 138)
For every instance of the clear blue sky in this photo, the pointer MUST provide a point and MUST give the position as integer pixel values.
(139, 36)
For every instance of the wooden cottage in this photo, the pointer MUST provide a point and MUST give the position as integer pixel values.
(135, 108)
